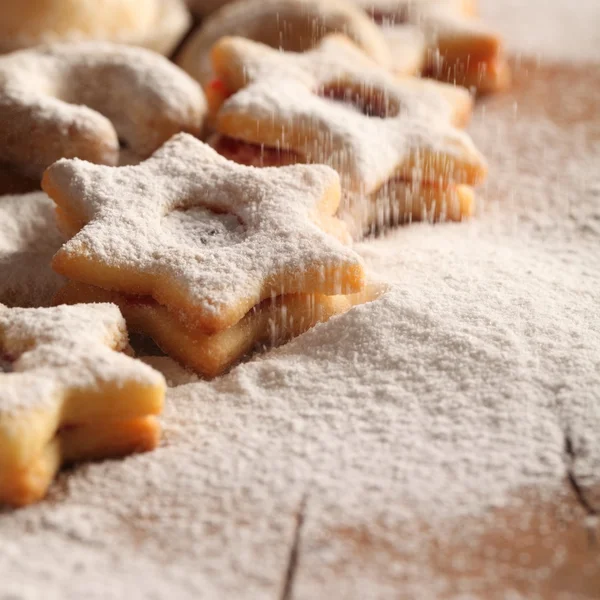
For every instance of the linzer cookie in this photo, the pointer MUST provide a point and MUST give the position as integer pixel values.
(455, 45)
(392, 139)
(95, 101)
(68, 393)
(294, 25)
(201, 235)
(268, 324)
(333, 105)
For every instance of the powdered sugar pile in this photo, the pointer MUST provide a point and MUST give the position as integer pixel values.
(452, 393)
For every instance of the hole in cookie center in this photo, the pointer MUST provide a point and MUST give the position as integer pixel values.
(202, 228)
(371, 102)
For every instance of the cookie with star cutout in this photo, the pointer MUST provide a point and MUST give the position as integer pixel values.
(202, 235)
(397, 202)
(333, 105)
(69, 393)
(394, 140)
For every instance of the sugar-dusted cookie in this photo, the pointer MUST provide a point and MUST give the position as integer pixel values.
(29, 238)
(89, 100)
(154, 24)
(270, 323)
(396, 202)
(293, 25)
(456, 46)
(68, 393)
(202, 234)
(333, 105)
(109, 439)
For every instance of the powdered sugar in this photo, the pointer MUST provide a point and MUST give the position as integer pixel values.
(283, 105)
(295, 25)
(566, 32)
(264, 248)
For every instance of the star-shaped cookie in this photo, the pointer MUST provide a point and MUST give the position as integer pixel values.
(68, 393)
(201, 234)
(294, 25)
(333, 105)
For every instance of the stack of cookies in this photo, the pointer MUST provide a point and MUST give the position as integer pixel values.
(394, 141)
(212, 210)
(206, 256)
(68, 393)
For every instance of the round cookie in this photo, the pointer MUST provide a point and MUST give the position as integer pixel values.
(292, 25)
(154, 24)
(91, 100)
